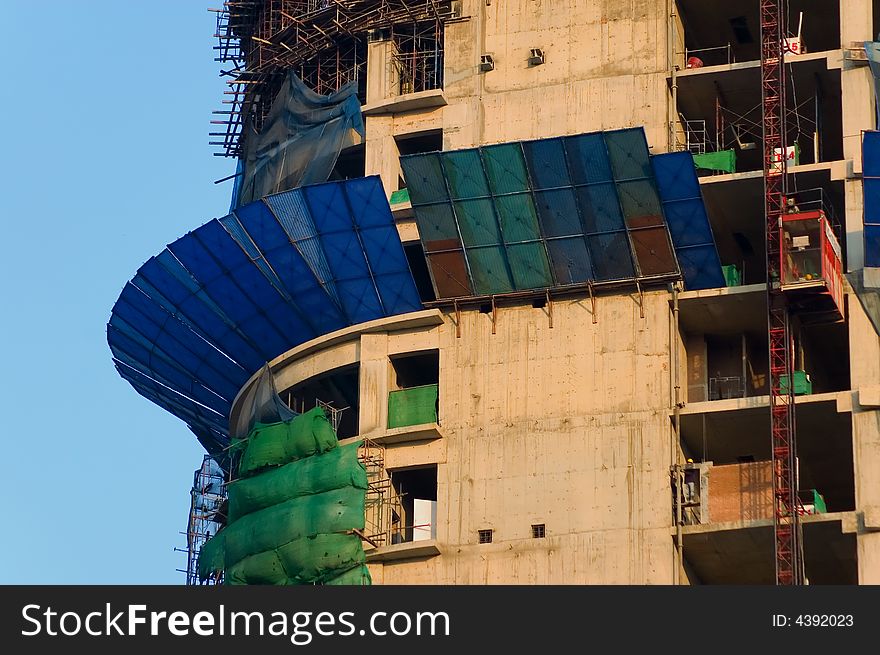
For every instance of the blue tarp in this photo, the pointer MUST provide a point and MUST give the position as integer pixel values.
(871, 182)
(688, 222)
(211, 309)
(540, 214)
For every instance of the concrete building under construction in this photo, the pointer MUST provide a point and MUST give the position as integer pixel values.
(589, 287)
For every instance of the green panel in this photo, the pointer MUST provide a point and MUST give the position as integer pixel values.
(399, 197)
(819, 503)
(424, 178)
(628, 152)
(437, 227)
(803, 386)
(724, 160)
(476, 218)
(731, 275)
(464, 172)
(489, 270)
(506, 168)
(529, 266)
(413, 406)
(519, 220)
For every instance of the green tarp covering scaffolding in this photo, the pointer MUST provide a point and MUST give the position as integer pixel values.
(724, 160)
(293, 510)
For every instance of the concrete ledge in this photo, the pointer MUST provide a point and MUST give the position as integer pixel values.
(840, 398)
(831, 166)
(408, 550)
(407, 102)
(834, 57)
(408, 434)
(719, 292)
(848, 523)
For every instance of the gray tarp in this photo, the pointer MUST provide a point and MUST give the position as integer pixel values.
(300, 141)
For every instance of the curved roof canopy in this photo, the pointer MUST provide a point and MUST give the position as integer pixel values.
(211, 309)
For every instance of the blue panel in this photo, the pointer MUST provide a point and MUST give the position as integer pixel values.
(610, 254)
(291, 211)
(205, 314)
(600, 208)
(872, 245)
(558, 213)
(688, 222)
(871, 154)
(546, 163)
(570, 260)
(588, 159)
(872, 200)
(700, 268)
(295, 277)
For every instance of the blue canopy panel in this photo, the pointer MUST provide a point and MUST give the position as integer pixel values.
(212, 308)
(687, 219)
(540, 214)
(871, 180)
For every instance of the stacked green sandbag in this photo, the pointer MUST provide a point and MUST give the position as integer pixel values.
(294, 509)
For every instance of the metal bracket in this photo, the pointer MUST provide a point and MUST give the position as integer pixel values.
(550, 308)
(457, 319)
(593, 304)
(641, 300)
(494, 314)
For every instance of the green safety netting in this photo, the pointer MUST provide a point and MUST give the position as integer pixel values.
(723, 160)
(294, 510)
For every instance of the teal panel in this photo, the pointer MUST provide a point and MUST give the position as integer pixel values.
(424, 178)
(506, 168)
(437, 227)
(464, 172)
(529, 266)
(628, 152)
(518, 218)
(640, 203)
(489, 270)
(476, 218)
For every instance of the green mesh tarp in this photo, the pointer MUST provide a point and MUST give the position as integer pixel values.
(279, 443)
(413, 406)
(724, 160)
(335, 469)
(294, 509)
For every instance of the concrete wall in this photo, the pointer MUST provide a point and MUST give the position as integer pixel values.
(548, 425)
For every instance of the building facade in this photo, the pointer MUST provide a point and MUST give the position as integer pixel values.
(611, 435)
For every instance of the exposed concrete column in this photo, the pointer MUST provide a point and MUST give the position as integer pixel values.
(378, 71)
(857, 97)
(381, 155)
(373, 385)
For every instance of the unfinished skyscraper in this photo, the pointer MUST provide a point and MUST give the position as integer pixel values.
(591, 288)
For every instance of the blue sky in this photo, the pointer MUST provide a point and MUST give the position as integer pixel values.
(106, 108)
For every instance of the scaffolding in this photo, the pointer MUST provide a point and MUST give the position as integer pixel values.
(383, 508)
(206, 516)
(325, 42)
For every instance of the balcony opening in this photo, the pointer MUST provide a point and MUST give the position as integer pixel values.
(419, 142)
(337, 391)
(414, 399)
(416, 491)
